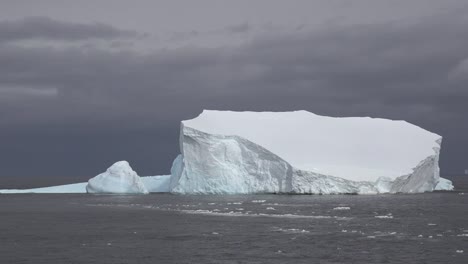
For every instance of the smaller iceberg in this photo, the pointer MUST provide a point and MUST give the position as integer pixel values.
(119, 178)
(444, 185)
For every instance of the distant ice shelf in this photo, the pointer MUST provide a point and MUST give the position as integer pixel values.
(154, 184)
(68, 188)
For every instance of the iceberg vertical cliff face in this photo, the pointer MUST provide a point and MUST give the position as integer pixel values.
(424, 177)
(300, 152)
(119, 178)
(305, 182)
(223, 164)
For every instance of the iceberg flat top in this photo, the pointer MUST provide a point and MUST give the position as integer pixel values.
(354, 148)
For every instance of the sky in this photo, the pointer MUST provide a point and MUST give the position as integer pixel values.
(86, 83)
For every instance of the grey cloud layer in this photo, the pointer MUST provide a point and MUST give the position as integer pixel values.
(50, 29)
(411, 71)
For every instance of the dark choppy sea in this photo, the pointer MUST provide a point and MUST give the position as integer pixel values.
(164, 228)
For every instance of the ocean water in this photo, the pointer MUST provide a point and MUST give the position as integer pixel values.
(165, 228)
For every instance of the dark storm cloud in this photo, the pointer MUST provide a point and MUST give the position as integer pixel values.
(401, 70)
(239, 28)
(46, 28)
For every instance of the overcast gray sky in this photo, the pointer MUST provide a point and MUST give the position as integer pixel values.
(87, 83)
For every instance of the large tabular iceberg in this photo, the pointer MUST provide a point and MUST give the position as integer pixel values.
(300, 152)
(119, 178)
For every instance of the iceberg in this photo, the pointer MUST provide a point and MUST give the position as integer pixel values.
(226, 152)
(156, 184)
(444, 185)
(119, 178)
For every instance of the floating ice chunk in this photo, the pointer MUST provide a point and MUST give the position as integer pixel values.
(384, 216)
(444, 185)
(293, 230)
(258, 201)
(459, 251)
(237, 214)
(119, 178)
(342, 208)
(270, 208)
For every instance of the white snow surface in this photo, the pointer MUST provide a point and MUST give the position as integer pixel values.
(119, 178)
(301, 152)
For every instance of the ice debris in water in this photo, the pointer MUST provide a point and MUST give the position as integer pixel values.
(292, 230)
(384, 216)
(342, 208)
